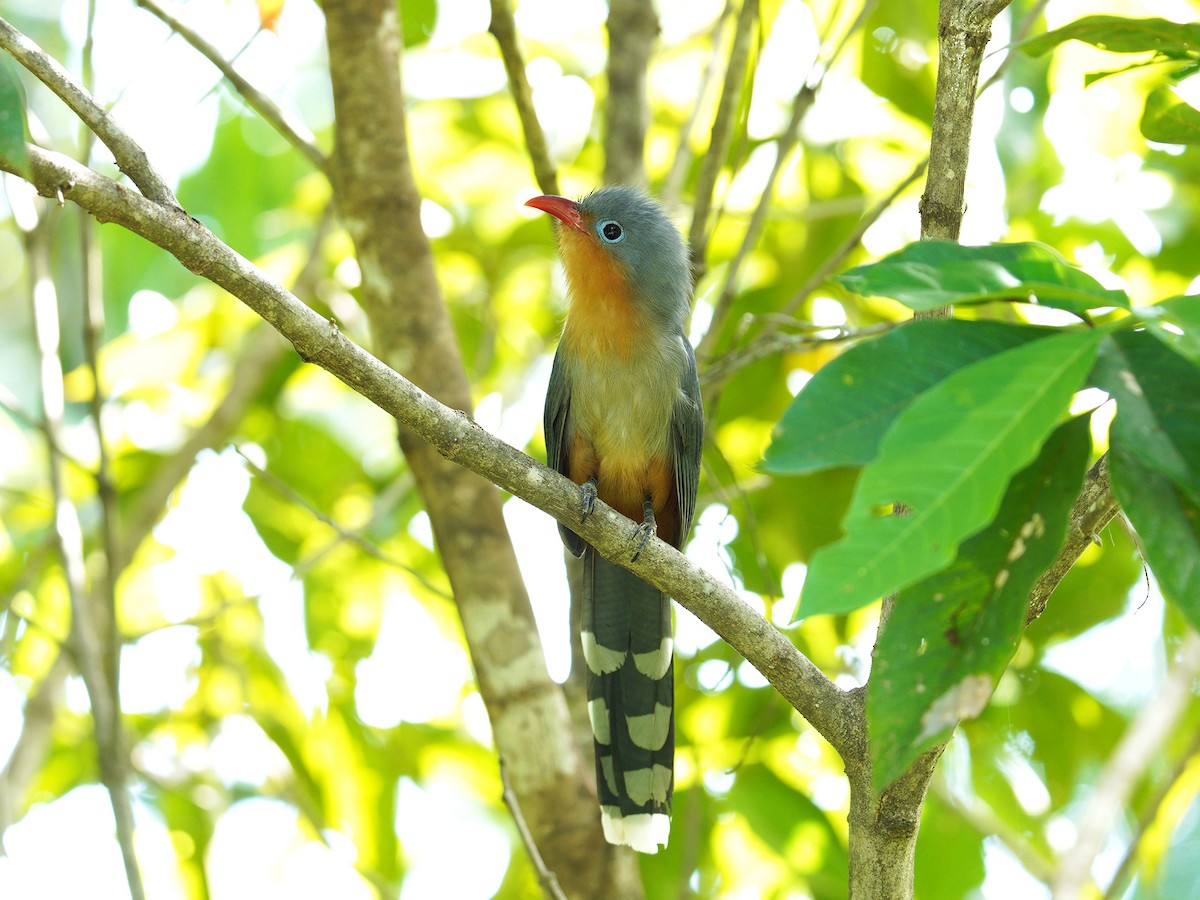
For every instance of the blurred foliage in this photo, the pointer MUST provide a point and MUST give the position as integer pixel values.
(293, 665)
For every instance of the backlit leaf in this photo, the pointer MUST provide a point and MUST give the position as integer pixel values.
(1118, 34)
(950, 637)
(841, 415)
(948, 458)
(931, 274)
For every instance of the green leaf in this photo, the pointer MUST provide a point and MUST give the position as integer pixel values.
(1176, 322)
(1155, 457)
(1168, 120)
(417, 20)
(931, 274)
(1167, 523)
(948, 458)
(951, 636)
(14, 131)
(1158, 405)
(943, 837)
(1118, 34)
(842, 414)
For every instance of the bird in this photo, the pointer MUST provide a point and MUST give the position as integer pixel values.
(624, 420)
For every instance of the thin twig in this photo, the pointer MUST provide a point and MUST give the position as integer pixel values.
(105, 601)
(720, 137)
(983, 819)
(547, 879)
(1147, 817)
(86, 641)
(1019, 34)
(854, 238)
(368, 546)
(504, 30)
(801, 104)
(776, 340)
(289, 127)
(129, 156)
(1125, 768)
(673, 184)
(11, 405)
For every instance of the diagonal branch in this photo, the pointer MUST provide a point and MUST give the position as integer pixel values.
(784, 145)
(1139, 746)
(504, 30)
(456, 437)
(292, 129)
(1093, 510)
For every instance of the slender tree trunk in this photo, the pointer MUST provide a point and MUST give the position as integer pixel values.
(632, 28)
(884, 827)
(379, 204)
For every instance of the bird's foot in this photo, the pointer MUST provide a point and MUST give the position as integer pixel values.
(589, 499)
(645, 531)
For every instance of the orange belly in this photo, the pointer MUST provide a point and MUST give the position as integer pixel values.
(624, 484)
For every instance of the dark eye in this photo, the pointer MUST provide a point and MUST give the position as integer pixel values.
(610, 231)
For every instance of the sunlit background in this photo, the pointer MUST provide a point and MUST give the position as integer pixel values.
(262, 638)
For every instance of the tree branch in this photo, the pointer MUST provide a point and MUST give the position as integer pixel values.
(1093, 510)
(964, 29)
(504, 30)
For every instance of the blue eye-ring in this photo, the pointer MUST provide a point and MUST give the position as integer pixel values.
(610, 232)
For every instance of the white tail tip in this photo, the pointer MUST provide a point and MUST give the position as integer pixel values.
(644, 832)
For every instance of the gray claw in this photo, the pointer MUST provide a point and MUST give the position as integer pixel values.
(589, 499)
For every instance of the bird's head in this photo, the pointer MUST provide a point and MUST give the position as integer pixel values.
(619, 238)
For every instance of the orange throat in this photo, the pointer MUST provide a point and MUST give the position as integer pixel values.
(603, 319)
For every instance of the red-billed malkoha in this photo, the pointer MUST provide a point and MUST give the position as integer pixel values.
(623, 419)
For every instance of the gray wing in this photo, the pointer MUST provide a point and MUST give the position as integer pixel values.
(687, 443)
(556, 418)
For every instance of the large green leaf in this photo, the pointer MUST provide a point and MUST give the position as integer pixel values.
(951, 636)
(13, 130)
(1169, 120)
(1158, 405)
(932, 274)
(1167, 523)
(1155, 447)
(948, 459)
(1121, 35)
(844, 411)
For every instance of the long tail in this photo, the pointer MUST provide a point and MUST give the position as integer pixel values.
(631, 698)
